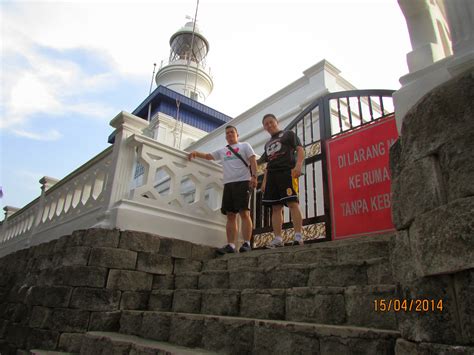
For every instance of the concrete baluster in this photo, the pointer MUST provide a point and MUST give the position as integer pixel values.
(9, 211)
(46, 183)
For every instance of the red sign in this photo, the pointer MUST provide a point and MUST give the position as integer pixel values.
(359, 180)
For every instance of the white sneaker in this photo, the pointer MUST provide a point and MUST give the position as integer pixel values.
(275, 243)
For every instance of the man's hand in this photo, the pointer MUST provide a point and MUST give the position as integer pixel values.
(296, 171)
(253, 182)
(192, 155)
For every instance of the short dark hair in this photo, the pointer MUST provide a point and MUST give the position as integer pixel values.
(229, 126)
(269, 115)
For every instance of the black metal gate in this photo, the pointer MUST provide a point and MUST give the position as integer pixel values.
(325, 118)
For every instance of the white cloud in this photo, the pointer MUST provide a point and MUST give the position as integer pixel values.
(34, 82)
(30, 94)
(93, 110)
(50, 135)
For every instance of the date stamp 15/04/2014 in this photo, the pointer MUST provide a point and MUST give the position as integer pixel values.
(403, 305)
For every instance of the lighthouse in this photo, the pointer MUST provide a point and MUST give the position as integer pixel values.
(175, 110)
(186, 71)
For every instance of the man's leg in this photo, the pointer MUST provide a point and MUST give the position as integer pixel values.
(296, 216)
(277, 220)
(231, 228)
(231, 231)
(246, 225)
(246, 228)
(297, 219)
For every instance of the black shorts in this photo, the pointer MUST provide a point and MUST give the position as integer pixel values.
(236, 197)
(280, 188)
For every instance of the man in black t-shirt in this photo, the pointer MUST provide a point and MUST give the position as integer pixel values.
(280, 182)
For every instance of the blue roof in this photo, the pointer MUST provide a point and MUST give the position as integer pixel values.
(191, 112)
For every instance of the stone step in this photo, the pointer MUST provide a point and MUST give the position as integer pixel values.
(323, 254)
(42, 352)
(239, 335)
(370, 272)
(352, 305)
(98, 343)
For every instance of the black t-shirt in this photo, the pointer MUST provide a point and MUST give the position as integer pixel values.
(280, 151)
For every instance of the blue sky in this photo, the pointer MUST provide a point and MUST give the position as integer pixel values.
(67, 68)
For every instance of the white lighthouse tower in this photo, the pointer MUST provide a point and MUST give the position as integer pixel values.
(186, 70)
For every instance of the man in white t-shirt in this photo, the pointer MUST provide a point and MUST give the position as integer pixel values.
(238, 182)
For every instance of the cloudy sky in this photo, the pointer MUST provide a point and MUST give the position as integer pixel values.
(68, 67)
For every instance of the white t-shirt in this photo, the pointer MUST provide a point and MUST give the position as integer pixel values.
(234, 168)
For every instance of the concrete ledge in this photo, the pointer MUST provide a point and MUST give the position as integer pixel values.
(133, 215)
(138, 344)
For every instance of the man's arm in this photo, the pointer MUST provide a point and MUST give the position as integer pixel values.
(194, 154)
(264, 182)
(296, 171)
(253, 171)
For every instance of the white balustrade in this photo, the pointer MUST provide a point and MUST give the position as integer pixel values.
(170, 169)
(175, 198)
(73, 199)
(17, 225)
(172, 196)
(77, 194)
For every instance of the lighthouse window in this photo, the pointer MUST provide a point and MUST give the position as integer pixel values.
(194, 95)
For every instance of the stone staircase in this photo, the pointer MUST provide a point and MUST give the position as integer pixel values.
(317, 298)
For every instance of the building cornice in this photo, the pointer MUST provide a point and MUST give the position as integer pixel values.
(323, 65)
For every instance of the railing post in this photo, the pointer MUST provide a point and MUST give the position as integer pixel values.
(153, 127)
(9, 211)
(123, 158)
(46, 183)
(325, 134)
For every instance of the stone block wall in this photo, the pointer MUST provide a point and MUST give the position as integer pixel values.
(53, 293)
(432, 257)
